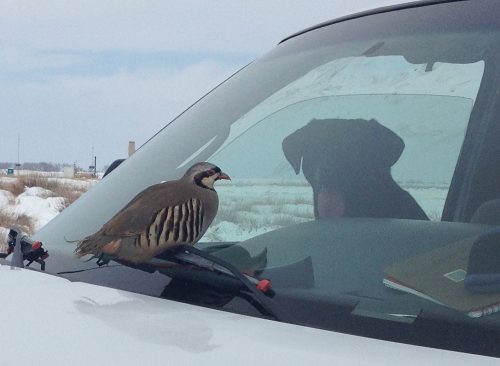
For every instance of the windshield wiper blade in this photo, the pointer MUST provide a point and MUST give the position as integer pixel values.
(260, 291)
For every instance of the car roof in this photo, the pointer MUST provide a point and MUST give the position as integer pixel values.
(384, 9)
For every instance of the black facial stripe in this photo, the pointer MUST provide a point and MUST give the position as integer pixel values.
(199, 177)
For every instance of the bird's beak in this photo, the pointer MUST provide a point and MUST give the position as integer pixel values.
(223, 175)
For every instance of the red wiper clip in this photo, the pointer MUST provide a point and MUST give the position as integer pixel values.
(264, 286)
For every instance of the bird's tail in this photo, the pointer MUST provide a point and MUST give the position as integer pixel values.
(91, 244)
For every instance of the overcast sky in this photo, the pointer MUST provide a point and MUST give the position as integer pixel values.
(82, 78)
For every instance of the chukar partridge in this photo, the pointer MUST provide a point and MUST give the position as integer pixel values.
(160, 217)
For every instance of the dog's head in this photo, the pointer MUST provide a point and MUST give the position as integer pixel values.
(341, 155)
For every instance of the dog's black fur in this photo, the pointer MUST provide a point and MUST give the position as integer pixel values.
(353, 157)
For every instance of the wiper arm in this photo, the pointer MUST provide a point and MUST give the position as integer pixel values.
(202, 259)
(259, 290)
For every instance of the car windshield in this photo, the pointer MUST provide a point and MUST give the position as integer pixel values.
(352, 150)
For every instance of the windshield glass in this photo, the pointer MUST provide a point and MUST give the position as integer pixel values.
(349, 150)
(280, 197)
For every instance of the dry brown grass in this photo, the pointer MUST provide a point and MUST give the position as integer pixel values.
(17, 185)
(84, 175)
(25, 223)
(57, 188)
(33, 180)
(14, 186)
(70, 194)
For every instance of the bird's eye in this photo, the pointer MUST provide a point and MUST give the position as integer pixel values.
(210, 173)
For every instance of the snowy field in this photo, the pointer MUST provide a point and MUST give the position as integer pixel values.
(247, 207)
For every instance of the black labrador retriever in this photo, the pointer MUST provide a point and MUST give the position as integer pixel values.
(348, 164)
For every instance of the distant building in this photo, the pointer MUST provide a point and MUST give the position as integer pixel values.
(69, 172)
(131, 147)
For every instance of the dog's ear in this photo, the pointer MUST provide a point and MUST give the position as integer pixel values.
(293, 148)
(387, 146)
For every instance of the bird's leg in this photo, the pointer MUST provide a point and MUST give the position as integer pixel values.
(102, 260)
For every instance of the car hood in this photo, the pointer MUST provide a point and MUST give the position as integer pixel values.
(50, 320)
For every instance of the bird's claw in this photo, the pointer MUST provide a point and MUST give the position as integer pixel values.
(101, 261)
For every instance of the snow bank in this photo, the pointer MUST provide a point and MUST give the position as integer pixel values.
(36, 203)
(40, 205)
(5, 198)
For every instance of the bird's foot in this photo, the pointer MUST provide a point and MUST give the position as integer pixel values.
(102, 260)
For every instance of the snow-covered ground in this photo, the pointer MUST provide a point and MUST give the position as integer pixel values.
(36, 205)
(248, 208)
(39, 204)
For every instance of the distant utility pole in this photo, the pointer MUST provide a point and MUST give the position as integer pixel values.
(93, 167)
(18, 164)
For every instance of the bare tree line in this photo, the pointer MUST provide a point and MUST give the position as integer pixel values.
(40, 166)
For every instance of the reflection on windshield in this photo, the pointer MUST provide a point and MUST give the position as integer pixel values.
(357, 76)
(266, 193)
(348, 165)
